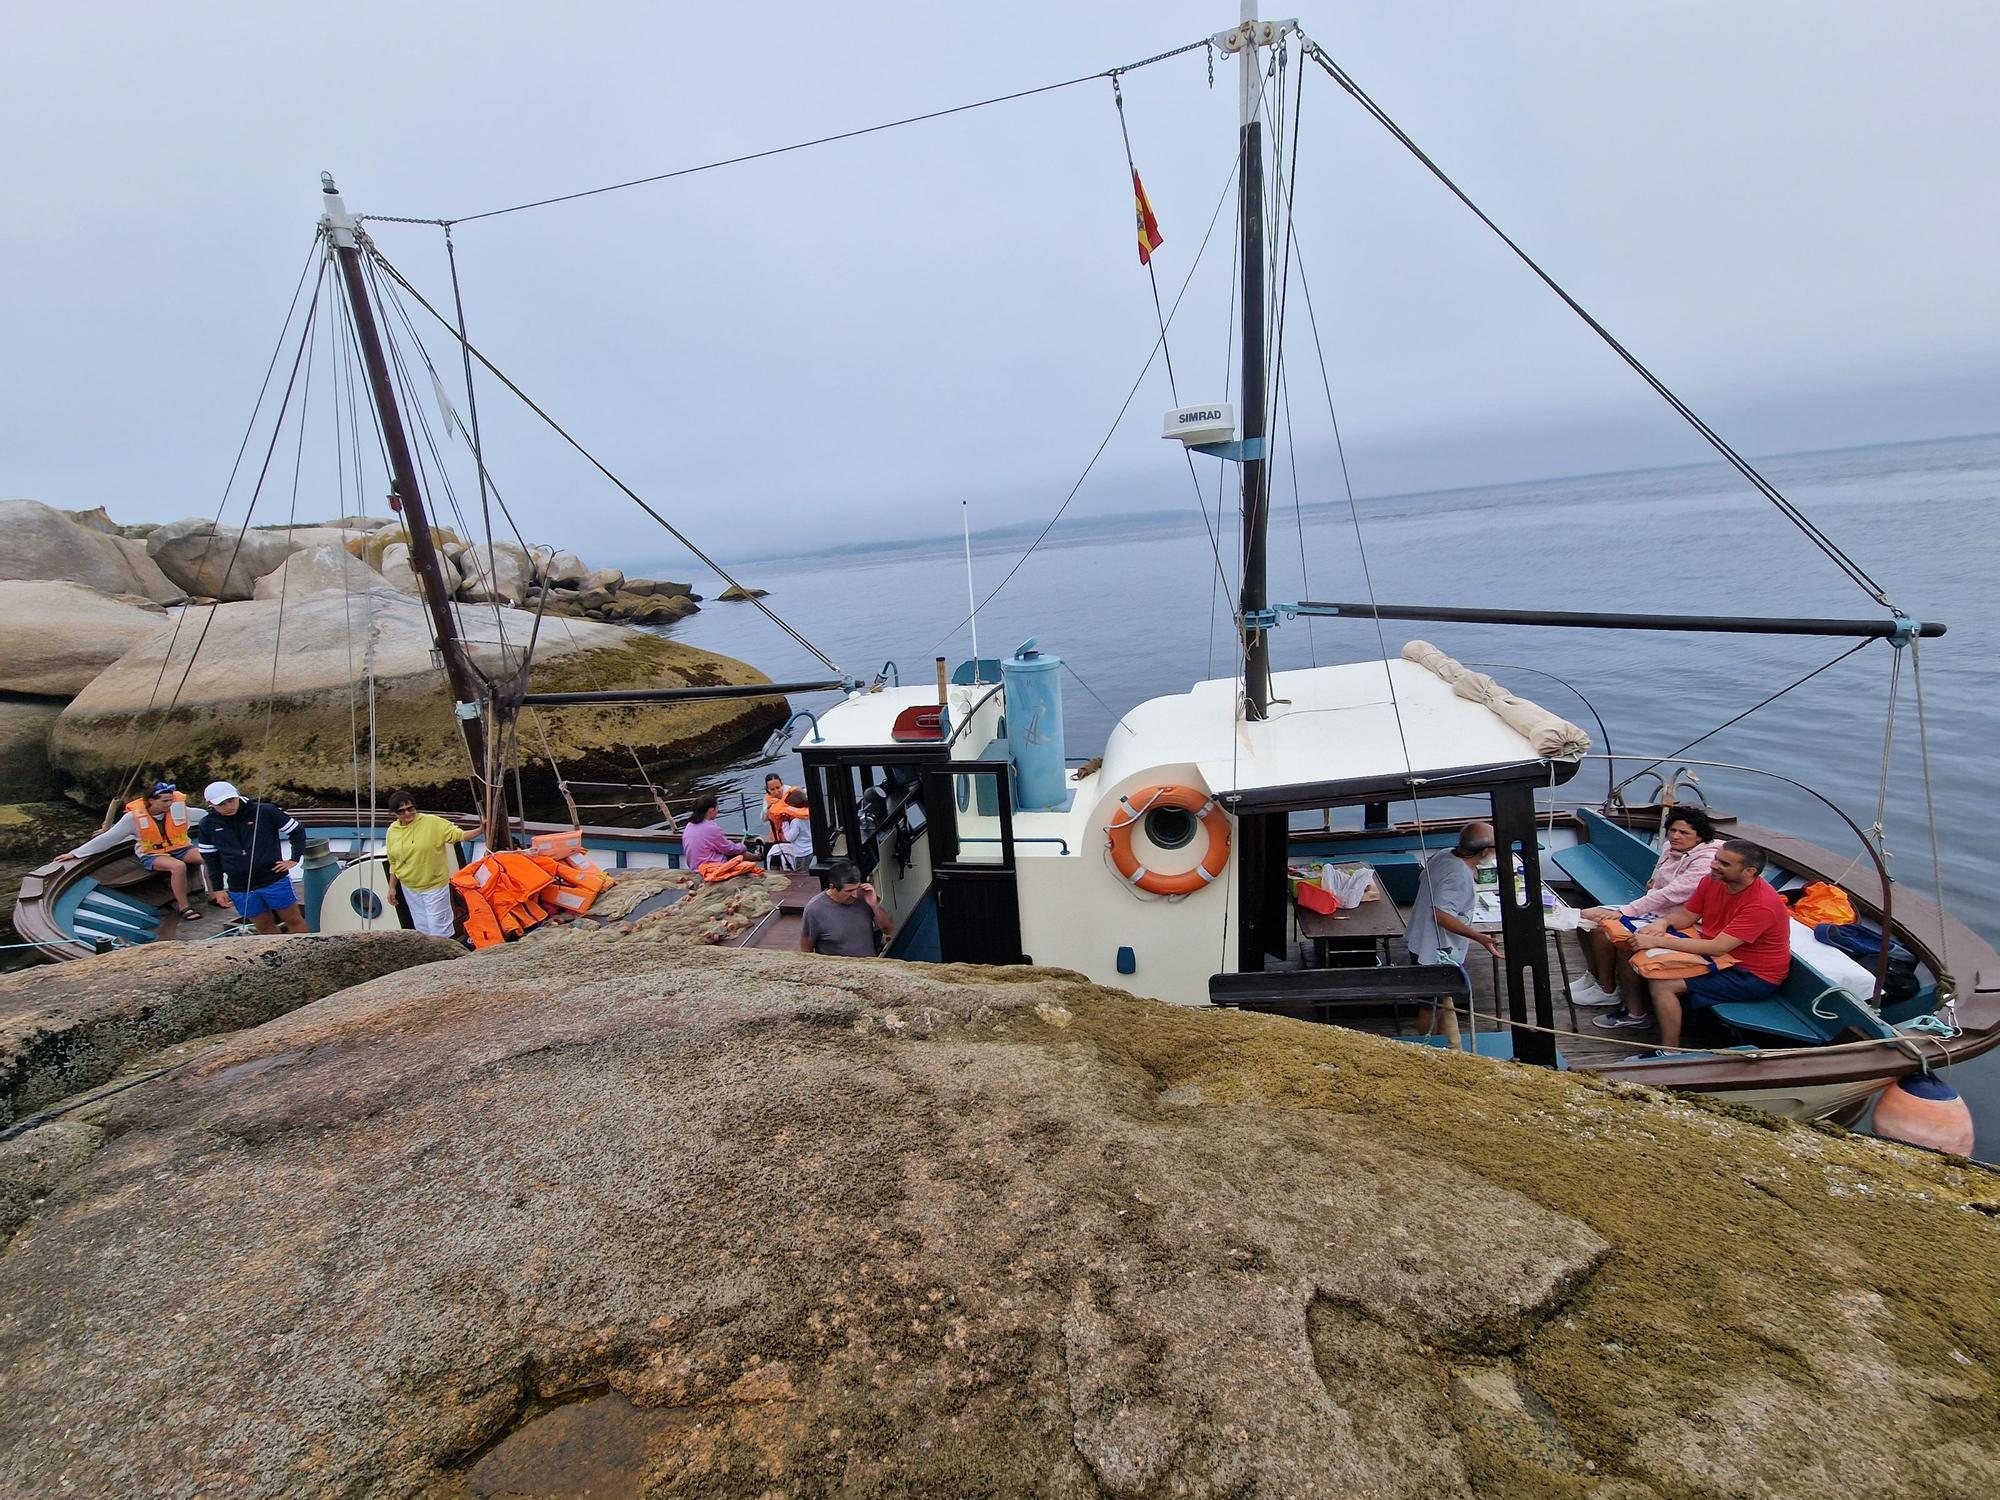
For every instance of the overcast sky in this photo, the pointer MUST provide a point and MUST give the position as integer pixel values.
(1787, 209)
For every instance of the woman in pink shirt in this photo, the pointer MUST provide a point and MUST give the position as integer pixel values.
(1691, 846)
(703, 842)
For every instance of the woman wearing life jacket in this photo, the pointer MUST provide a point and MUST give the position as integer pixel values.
(418, 864)
(1691, 846)
(160, 827)
(776, 800)
(706, 848)
(792, 825)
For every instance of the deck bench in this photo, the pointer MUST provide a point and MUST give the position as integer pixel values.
(1325, 994)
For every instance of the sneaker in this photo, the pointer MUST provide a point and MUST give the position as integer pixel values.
(1586, 992)
(1618, 1020)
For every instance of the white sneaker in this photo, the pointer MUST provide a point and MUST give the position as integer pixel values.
(1587, 992)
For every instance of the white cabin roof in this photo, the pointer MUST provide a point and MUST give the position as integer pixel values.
(1341, 723)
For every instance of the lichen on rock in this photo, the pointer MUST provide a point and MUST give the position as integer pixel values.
(840, 1226)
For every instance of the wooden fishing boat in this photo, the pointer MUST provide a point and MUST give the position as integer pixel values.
(1164, 865)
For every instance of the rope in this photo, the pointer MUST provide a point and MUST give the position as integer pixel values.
(471, 405)
(1769, 491)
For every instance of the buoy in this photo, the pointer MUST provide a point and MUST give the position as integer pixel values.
(1924, 1110)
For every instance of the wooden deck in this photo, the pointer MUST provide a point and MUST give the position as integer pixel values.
(1489, 1000)
(779, 930)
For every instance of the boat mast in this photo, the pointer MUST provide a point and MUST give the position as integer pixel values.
(466, 685)
(1250, 37)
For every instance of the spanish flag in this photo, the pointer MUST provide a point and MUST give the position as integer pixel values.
(1150, 237)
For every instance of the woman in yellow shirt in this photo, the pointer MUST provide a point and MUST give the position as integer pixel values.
(418, 864)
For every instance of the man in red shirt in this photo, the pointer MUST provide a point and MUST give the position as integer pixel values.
(1735, 911)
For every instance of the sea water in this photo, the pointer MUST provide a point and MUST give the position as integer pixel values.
(1141, 607)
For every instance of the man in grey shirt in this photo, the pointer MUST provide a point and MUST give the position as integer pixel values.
(1440, 929)
(843, 919)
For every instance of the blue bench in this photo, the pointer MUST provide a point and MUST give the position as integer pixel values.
(1613, 867)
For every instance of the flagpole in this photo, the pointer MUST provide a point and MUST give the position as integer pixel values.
(971, 594)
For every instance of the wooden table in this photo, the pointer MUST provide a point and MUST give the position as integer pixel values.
(1352, 929)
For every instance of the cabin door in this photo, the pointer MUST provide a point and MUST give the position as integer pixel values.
(969, 810)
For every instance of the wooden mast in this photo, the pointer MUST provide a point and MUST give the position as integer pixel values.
(468, 689)
(1256, 473)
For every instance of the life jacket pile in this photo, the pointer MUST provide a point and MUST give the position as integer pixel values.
(153, 838)
(511, 892)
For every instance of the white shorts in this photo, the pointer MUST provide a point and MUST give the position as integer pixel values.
(430, 911)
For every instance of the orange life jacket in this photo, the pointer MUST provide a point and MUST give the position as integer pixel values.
(778, 811)
(1823, 903)
(154, 839)
(719, 870)
(1671, 963)
(578, 882)
(501, 892)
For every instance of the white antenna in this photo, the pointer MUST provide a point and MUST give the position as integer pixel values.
(971, 594)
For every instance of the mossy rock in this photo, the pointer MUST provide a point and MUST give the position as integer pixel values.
(282, 710)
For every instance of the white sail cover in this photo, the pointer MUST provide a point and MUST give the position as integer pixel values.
(1553, 737)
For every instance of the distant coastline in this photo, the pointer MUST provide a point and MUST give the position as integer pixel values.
(1164, 521)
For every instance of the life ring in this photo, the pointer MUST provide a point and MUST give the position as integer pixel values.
(1134, 806)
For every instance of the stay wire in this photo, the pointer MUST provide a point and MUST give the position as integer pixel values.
(277, 429)
(823, 140)
(1930, 797)
(471, 406)
(1739, 718)
(590, 458)
(1166, 350)
(249, 429)
(490, 486)
(1361, 546)
(1110, 433)
(1743, 466)
(1290, 187)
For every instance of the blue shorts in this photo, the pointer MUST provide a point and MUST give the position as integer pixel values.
(161, 861)
(1725, 985)
(279, 895)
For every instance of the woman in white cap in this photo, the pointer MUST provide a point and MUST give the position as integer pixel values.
(240, 842)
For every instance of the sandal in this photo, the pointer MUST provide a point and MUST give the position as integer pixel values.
(189, 914)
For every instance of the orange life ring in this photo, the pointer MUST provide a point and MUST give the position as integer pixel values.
(1134, 806)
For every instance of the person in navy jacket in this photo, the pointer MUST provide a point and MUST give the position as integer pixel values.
(241, 843)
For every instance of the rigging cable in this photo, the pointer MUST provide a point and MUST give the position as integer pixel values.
(277, 429)
(1739, 718)
(1930, 800)
(630, 493)
(249, 428)
(1361, 551)
(1173, 384)
(489, 486)
(1124, 406)
(824, 140)
(1743, 466)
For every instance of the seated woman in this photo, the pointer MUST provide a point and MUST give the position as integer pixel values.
(707, 849)
(1691, 846)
